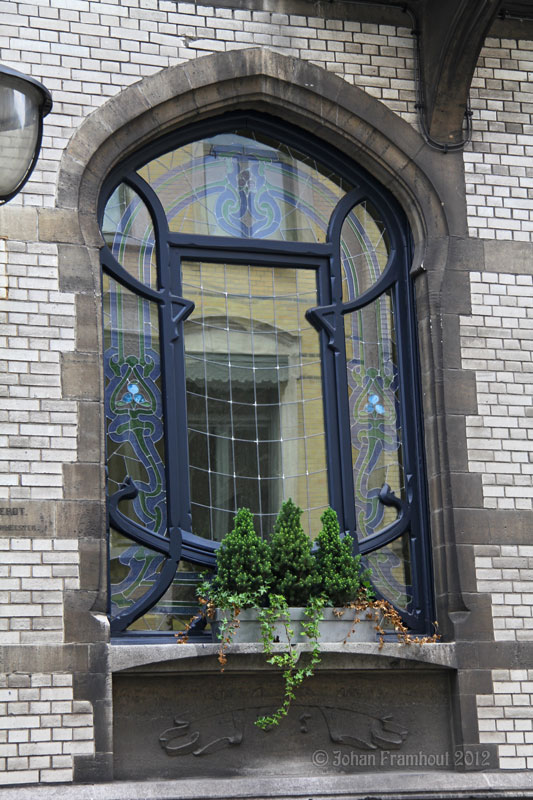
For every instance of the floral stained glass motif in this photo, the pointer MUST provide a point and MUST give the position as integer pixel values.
(373, 391)
(134, 414)
(238, 417)
(374, 398)
(374, 402)
(244, 185)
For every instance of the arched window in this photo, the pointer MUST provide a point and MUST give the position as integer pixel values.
(259, 338)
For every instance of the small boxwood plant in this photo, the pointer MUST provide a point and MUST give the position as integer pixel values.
(293, 566)
(242, 579)
(340, 578)
(294, 582)
(243, 562)
(271, 577)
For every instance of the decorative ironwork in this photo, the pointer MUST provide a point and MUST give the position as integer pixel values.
(191, 227)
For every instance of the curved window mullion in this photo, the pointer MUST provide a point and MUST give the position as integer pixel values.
(391, 282)
(410, 416)
(170, 544)
(152, 201)
(125, 618)
(341, 210)
(114, 268)
(265, 208)
(387, 280)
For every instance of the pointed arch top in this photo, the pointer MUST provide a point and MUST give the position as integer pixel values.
(306, 95)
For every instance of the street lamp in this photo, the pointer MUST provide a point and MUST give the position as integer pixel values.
(24, 102)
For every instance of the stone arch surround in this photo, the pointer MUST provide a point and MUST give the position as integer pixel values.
(430, 189)
(298, 91)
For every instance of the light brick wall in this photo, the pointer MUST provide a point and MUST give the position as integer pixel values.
(505, 717)
(37, 428)
(41, 728)
(506, 573)
(34, 574)
(499, 171)
(86, 51)
(497, 342)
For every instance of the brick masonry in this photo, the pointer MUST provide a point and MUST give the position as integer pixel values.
(41, 728)
(499, 173)
(86, 52)
(497, 342)
(506, 573)
(506, 717)
(34, 574)
(38, 428)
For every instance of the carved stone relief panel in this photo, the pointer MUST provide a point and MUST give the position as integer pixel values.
(170, 726)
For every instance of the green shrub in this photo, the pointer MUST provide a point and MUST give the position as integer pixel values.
(293, 566)
(243, 560)
(339, 573)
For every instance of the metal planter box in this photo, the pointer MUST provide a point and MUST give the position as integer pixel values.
(333, 628)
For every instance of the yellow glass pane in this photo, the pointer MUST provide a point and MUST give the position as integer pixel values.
(254, 395)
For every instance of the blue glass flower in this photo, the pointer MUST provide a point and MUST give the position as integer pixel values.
(374, 405)
(133, 395)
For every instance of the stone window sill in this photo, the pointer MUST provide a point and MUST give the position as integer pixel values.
(249, 657)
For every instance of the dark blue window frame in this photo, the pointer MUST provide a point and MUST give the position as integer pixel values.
(326, 317)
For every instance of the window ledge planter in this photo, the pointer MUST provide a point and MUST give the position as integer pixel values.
(337, 626)
(260, 587)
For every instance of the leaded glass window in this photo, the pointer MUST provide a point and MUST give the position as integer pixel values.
(259, 344)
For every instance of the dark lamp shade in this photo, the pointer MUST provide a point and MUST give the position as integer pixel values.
(23, 104)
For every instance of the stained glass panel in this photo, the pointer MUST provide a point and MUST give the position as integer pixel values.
(364, 250)
(134, 414)
(246, 185)
(128, 231)
(133, 569)
(391, 571)
(253, 389)
(177, 606)
(254, 395)
(374, 402)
